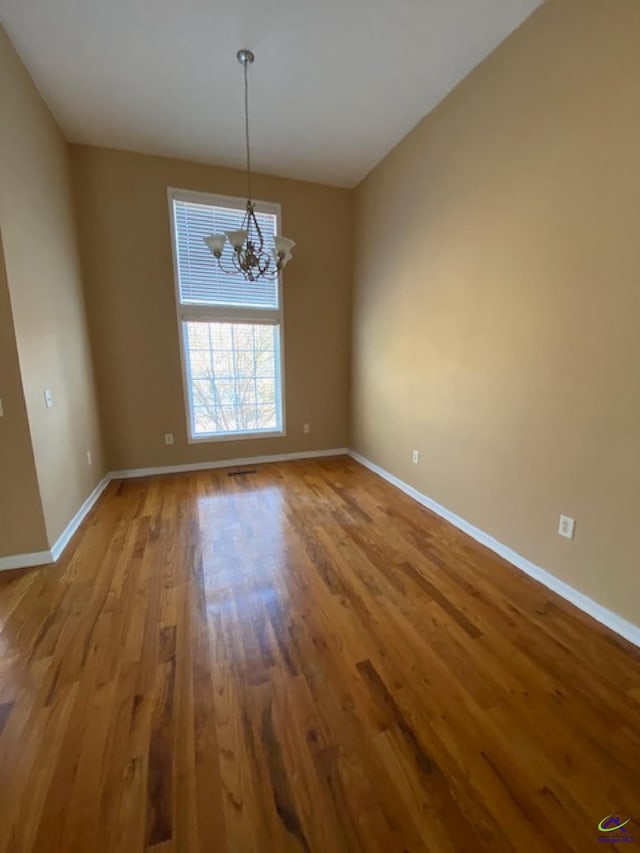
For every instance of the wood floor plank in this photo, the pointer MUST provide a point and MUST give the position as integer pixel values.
(302, 658)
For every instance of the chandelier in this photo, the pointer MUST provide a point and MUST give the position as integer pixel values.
(249, 256)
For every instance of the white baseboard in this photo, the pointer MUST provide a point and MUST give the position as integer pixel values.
(24, 561)
(43, 558)
(63, 540)
(597, 611)
(580, 600)
(226, 463)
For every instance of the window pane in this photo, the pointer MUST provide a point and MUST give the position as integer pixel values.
(224, 391)
(234, 381)
(265, 391)
(221, 335)
(222, 362)
(198, 336)
(201, 391)
(203, 421)
(200, 363)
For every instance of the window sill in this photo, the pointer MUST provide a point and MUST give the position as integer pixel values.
(236, 436)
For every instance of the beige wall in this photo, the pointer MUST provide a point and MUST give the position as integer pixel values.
(22, 527)
(42, 265)
(126, 251)
(497, 299)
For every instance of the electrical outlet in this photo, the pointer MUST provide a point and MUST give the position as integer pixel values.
(89, 458)
(306, 429)
(415, 456)
(567, 527)
(48, 398)
(168, 438)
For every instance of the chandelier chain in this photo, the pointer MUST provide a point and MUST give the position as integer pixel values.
(246, 127)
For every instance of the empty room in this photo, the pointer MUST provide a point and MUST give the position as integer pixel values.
(319, 426)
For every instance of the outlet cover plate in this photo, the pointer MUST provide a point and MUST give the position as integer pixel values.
(567, 527)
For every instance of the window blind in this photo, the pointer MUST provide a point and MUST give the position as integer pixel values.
(200, 280)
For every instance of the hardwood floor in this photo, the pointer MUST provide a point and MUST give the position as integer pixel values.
(302, 658)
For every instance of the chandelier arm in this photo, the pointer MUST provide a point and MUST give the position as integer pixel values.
(225, 269)
(254, 219)
(236, 260)
(266, 262)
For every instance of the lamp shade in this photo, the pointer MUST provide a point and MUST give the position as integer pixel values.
(237, 238)
(284, 246)
(215, 242)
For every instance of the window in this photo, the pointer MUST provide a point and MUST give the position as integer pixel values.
(231, 329)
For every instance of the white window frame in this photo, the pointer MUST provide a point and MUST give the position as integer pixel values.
(225, 314)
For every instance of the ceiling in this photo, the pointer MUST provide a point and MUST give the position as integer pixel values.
(336, 83)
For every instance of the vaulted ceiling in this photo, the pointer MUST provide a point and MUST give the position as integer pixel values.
(336, 83)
